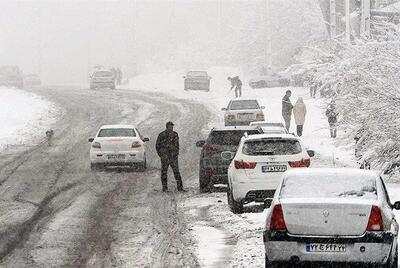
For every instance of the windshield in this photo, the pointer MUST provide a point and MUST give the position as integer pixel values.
(197, 74)
(314, 186)
(103, 74)
(231, 137)
(244, 105)
(272, 147)
(117, 132)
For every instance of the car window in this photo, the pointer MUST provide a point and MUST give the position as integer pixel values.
(272, 147)
(229, 137)
(244, 105)
(117, 132)
(330, 186)
(103, 74)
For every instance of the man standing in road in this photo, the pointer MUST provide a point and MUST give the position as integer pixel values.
(167, 147)
(237, 84)
(287, 108)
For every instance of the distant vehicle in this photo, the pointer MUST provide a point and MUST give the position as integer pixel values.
(197, 80)
(118, 145)
(331, 216)
(11, 76)
(257, 167)
(102, 79)
(243, 112)
(270, 127)
(213, 169)
(297, 73)
(266, 81)
(32, 80)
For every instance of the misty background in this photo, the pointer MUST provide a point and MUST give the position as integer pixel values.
(63, 40)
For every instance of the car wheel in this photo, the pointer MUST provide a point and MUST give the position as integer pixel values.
(269, 264)
(96, 167)
(236, 207)
(142, 166)
(204, 183)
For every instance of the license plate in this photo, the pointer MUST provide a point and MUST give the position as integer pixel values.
(116, 156)
(245, 116)
(325, 248)
(274, 168)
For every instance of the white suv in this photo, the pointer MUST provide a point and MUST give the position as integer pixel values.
(118, 145)
(256, 169)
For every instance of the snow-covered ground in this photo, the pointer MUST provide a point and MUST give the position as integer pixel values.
(209, 213)
(24, 117)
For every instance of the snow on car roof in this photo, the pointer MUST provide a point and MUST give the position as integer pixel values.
(117, 126)
(347, 172)
(235, 128)
(262, 136)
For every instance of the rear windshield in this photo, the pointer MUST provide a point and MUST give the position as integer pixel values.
(103, 74)
(313, 186)
(197, 74)
(117, 132)
(272, 147)
(229, 137)
(244, 105)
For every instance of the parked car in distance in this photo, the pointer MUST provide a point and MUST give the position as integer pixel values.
(213, 169)
(257, 167)
(102, 79)
(270, 127)
(266, 81)
(32, 80)
(118, 145)
(331, 216)
(242, 112)
(197, 80)
(11, 76)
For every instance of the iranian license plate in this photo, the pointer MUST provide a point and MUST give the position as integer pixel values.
(274, 168)
(317, 247)
(245, 116)
(116, 156)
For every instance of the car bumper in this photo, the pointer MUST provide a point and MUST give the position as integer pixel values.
(103, 84)
(124, 158)
(369, 248)
(255, 190)
(239, 122)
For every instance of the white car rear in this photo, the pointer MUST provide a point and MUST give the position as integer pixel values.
(241, 112)
(118, 145)
(270, 127)
(257, 167)
(331, 215)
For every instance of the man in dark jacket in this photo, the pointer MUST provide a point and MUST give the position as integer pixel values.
(287, 108)
(167, 147)
(237, 84)
(332, 114)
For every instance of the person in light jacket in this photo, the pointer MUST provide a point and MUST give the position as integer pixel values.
(299, 112)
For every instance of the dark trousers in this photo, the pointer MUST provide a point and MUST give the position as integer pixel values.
(299, 130)
(238, 91)
(287, 119)
(333, 129)
(173, 162)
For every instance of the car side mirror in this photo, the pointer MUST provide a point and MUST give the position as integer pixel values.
(262, 107)
(90, 139)
(146, 139)
(227, 155)
(200, 143)
(224, 109)
(311, 153)
(396, 205)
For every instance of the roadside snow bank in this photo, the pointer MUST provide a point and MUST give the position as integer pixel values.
(24, 117)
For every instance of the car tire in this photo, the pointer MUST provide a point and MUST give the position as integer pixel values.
(142, 166)
(236, 207)
(96, 167)
(204, 183)
(269, 264)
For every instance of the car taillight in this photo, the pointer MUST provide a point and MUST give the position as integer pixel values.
(260, 117)
(301, 163)
(207, 150)
(375, 222)
(277, 219)
(240, 164)
(230, 117)
(136, 144)
(96, 145)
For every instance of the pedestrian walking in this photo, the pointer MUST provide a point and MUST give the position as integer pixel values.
(287, 108)
(332, 114)
(237, 84)
(299, 112)
(167, 147)
(313, 84)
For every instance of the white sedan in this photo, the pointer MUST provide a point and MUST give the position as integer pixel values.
(118, 145)
(256, 170)
(331, 216)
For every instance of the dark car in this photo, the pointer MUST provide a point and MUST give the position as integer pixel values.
(11, 76)
(214, 169)
(265, 81)
(197, 80)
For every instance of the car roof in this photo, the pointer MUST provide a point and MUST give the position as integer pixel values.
(271, 135)
(347, 172)
(244, 99)
(117, 126)
(267, 123)
(227, 128)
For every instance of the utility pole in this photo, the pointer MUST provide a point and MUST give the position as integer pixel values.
(365, 27)
(332, 19)
(347, 18)
(268, 55)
